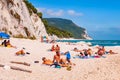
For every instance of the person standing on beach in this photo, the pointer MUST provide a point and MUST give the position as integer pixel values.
(41, 38)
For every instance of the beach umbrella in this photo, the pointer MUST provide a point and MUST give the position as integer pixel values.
(4, 35)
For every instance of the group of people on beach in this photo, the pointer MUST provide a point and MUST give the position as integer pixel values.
(88, 52)
(57, 60)
(55, 48)
(65, 62)
(7, 43)
(46, 39)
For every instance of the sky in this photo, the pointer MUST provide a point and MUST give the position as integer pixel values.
(101, 18)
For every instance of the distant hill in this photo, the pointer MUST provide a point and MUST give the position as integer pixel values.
(51, 30)
(67, 25)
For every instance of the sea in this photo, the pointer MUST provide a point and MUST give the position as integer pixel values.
(95, 42)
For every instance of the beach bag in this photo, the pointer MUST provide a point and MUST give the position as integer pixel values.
(69, 68)
(58, 66)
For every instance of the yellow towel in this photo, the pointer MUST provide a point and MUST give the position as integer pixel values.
(8, 46)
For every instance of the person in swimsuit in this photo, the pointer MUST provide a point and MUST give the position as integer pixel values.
(58, 60)
(47, 61)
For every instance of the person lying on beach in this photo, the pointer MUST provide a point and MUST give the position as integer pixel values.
(59, 61)
(47, 61)
(101, 50)
(111, 52)
(77, 50)
(9, 44)
(20, 52)
(81, 54)
(85, 52)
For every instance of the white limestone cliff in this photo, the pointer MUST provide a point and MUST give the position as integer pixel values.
(16, 20)
(86, 36)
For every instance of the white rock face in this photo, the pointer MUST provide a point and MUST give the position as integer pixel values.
(16, 20)
(86, 36)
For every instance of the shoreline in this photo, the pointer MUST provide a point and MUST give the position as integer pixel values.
(93, 42)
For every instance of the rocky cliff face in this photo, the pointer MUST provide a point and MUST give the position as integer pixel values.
(16, 20)
(86, 36)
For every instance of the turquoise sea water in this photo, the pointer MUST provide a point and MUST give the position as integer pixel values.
(96, 42)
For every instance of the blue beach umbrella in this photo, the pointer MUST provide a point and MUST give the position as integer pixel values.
(4, 35)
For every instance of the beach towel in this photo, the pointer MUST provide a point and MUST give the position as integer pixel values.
(55, 65)
(88, 57)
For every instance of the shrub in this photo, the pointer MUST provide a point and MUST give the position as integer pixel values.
(39, 14)
(17, 16)
(56, 31)
(30, 7)
(10, 32)
(11, 12)
(27, 32)
(32, 38)
(18, 36)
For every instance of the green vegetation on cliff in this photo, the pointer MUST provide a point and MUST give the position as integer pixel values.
(56, 31)
(67, 25)
(31, 8)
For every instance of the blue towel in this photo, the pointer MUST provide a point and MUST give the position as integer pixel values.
(86, 57)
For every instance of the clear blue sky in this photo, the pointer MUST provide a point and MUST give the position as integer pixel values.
(101, 18)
